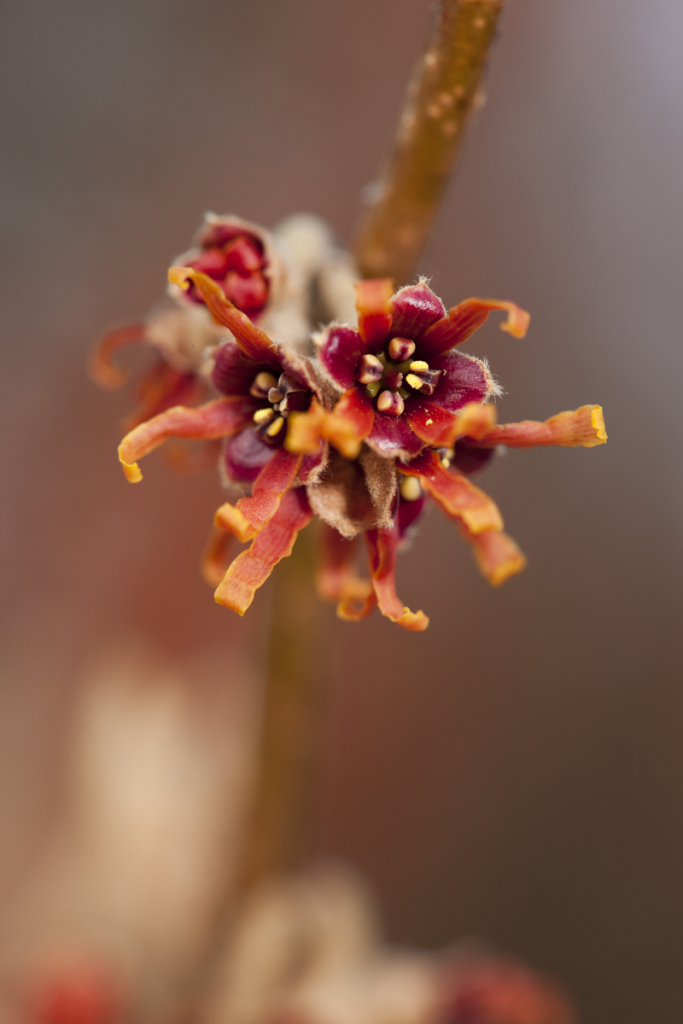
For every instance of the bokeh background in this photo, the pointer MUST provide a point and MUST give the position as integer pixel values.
(515, 773)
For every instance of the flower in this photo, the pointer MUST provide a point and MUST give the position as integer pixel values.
(311, 439)
(260, 383)
(433, 429)
(402, 384)
(249, 266)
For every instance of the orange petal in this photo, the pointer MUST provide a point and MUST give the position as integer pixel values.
(345, 427)
(100, 366)
(467, 317)
(249, 516)
(215, 557)
(496, 554)
(337, 579)
(160, 389)
(374, 309)
(220, 418)
(583, 427)
(275, 541)
(455, 495)
(382, 546)
(254, 343)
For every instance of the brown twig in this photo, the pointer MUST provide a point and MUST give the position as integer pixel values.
(441, 96)
(290, 725)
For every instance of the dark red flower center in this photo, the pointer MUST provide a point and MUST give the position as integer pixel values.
(277, 398)
(395, 374)
(238, 266)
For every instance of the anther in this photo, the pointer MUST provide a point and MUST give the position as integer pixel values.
(262, 384)
(413, 381)
(369, 370)
(275, 395)
(401, 349)
(419, 366)
(390, 403)
(263, 415)
(275, 427)
(410, 488)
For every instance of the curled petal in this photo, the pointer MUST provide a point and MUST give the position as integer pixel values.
(584, 427)
(252, 568)
(496, 554)
(464, 319)
(220, 418)
(382, 547)
(413, 310)
(337, 579)
(100, 367)
(373, 302)
(254, 342)
(216, 556)
(249, 516)
(454, 494)
(345, 427)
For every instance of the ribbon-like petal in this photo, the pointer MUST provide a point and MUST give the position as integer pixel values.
(584, 427)
(464, 319)
(337, 579)
(100, 366)
(249, 516)
(220, 418)
(252, 568)
(382, 548)
(216, 556)
(373, 302)
(345, 427)
(496, 554)
(454, 494)
(254, 342)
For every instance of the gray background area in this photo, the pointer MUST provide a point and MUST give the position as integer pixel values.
(515, 772)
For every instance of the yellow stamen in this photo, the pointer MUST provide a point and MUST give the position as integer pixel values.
(414, 382)
(410, 488)
(275, 427)
(263, 415)
(419, 365)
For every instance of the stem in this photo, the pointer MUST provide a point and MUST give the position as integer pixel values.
(290, 725)
(443, 92)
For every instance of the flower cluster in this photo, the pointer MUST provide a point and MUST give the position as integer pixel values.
(385, 416)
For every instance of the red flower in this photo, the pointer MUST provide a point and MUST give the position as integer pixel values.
(236, 255)
(241, 258)
(402, 384)
(261, 383)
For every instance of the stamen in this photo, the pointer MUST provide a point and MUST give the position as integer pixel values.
(390, 403)
(401, 349)
(262, 384)
(275, 427)
(275, 395)
(413, 381)
(263, 415)
(419, 365)
(410, 488)
(369, 370)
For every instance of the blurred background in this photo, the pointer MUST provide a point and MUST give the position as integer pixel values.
(515, 772)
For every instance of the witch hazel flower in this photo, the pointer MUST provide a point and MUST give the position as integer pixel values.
(406, 396)
(262, 274)
(260, 383)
